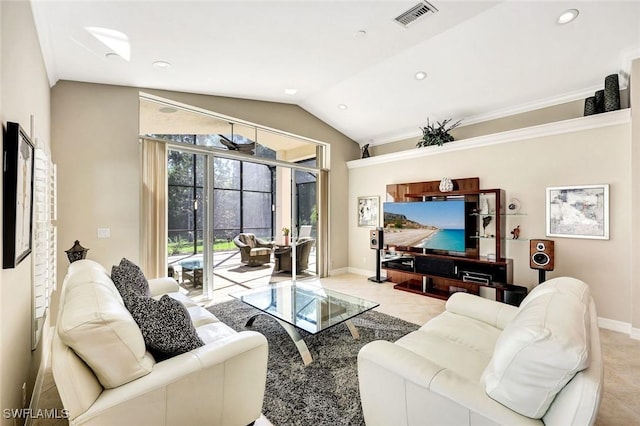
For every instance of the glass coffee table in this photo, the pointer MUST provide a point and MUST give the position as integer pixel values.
(305, 306)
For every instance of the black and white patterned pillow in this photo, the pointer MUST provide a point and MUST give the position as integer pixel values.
(165, 325)
(129, 279)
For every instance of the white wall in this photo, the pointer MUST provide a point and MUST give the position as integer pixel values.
(24, 92)
(524, 169)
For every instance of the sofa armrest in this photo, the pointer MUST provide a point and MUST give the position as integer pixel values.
(224, 379)
(383, 370)
(398, 386)
(158, 286)
(494, 313)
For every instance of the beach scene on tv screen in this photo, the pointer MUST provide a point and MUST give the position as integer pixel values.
(434, 225)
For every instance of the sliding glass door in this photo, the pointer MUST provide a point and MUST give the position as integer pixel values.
(212, 199)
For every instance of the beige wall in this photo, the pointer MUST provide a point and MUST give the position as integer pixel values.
(564, 111)
(94, 133)
(635, 196)
(524, 169)
(24, 92)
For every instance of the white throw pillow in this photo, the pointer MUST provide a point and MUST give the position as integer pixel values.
(541, 349)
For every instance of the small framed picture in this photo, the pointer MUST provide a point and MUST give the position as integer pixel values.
(368, 211)
(578, 211)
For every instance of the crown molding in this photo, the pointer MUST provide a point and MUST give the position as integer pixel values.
(607, 119)
(626, 59)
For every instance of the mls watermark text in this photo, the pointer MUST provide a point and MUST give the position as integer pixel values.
(40, 413)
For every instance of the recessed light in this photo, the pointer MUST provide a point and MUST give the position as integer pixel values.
(162, 64)
(115, 40)
(290, 91)
(420, 75)
(568, 16)
(360, 34)
(168, 110)
(342, 106)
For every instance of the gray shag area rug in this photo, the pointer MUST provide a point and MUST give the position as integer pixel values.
(326, 391)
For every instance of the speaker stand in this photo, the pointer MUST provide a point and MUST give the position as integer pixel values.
(378, 279)
(542, 276)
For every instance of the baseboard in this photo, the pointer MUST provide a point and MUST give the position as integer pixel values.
(619, 326)
(340, 271)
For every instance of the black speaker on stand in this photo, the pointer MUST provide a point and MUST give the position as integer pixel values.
(376, 242)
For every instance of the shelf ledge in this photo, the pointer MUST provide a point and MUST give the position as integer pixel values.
(606, 119)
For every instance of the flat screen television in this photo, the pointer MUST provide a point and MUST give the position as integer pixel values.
(436, 225)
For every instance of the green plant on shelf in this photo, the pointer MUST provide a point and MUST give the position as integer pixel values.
(438, 133)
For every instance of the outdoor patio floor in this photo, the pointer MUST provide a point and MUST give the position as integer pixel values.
(231, 275)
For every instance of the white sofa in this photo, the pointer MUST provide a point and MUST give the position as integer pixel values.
(105, 376)
(487, 363)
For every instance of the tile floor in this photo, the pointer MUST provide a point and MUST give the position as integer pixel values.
(621, 397)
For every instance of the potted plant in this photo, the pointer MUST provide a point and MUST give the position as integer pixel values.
(438, 133)
(285, 233)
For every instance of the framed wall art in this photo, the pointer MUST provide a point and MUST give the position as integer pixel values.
(578, 211)
(368, 211)
(17, 193)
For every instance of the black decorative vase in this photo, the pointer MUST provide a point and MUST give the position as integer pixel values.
(590, 105)
(611, 93)
(599, 101)
(365, 151)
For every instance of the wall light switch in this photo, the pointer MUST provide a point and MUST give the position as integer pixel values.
(104, 232)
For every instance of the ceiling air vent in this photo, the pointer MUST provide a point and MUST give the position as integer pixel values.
(418, 11)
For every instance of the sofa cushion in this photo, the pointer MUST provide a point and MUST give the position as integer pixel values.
(129, 279)
(94, 322)
(165, 325)
(248, 239)
(261, 251)
(541, 349)
(464, 345)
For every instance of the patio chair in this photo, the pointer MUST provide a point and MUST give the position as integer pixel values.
(253, 250)
(303, 249)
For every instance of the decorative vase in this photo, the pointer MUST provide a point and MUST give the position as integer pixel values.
(446, 185)
(590, 105)
(599, 101)
(286, 240)
(365, 151)
(484, 205)
(611, 93)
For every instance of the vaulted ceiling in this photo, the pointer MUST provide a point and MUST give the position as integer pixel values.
(350, 63)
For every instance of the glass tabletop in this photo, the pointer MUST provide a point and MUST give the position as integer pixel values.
(305, 305)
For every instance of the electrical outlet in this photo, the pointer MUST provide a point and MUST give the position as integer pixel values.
(24, 395)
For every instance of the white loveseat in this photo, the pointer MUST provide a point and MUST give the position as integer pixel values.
(105, 375)
(487, 363)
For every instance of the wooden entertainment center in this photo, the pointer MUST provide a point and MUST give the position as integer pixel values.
(440, 274)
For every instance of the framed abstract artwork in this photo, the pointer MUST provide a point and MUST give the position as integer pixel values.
(368, 211)
(578, 211)
(17, 193)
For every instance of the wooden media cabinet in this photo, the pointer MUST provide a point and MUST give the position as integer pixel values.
(437, 274)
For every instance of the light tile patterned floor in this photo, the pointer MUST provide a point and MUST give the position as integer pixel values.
(621, 398)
